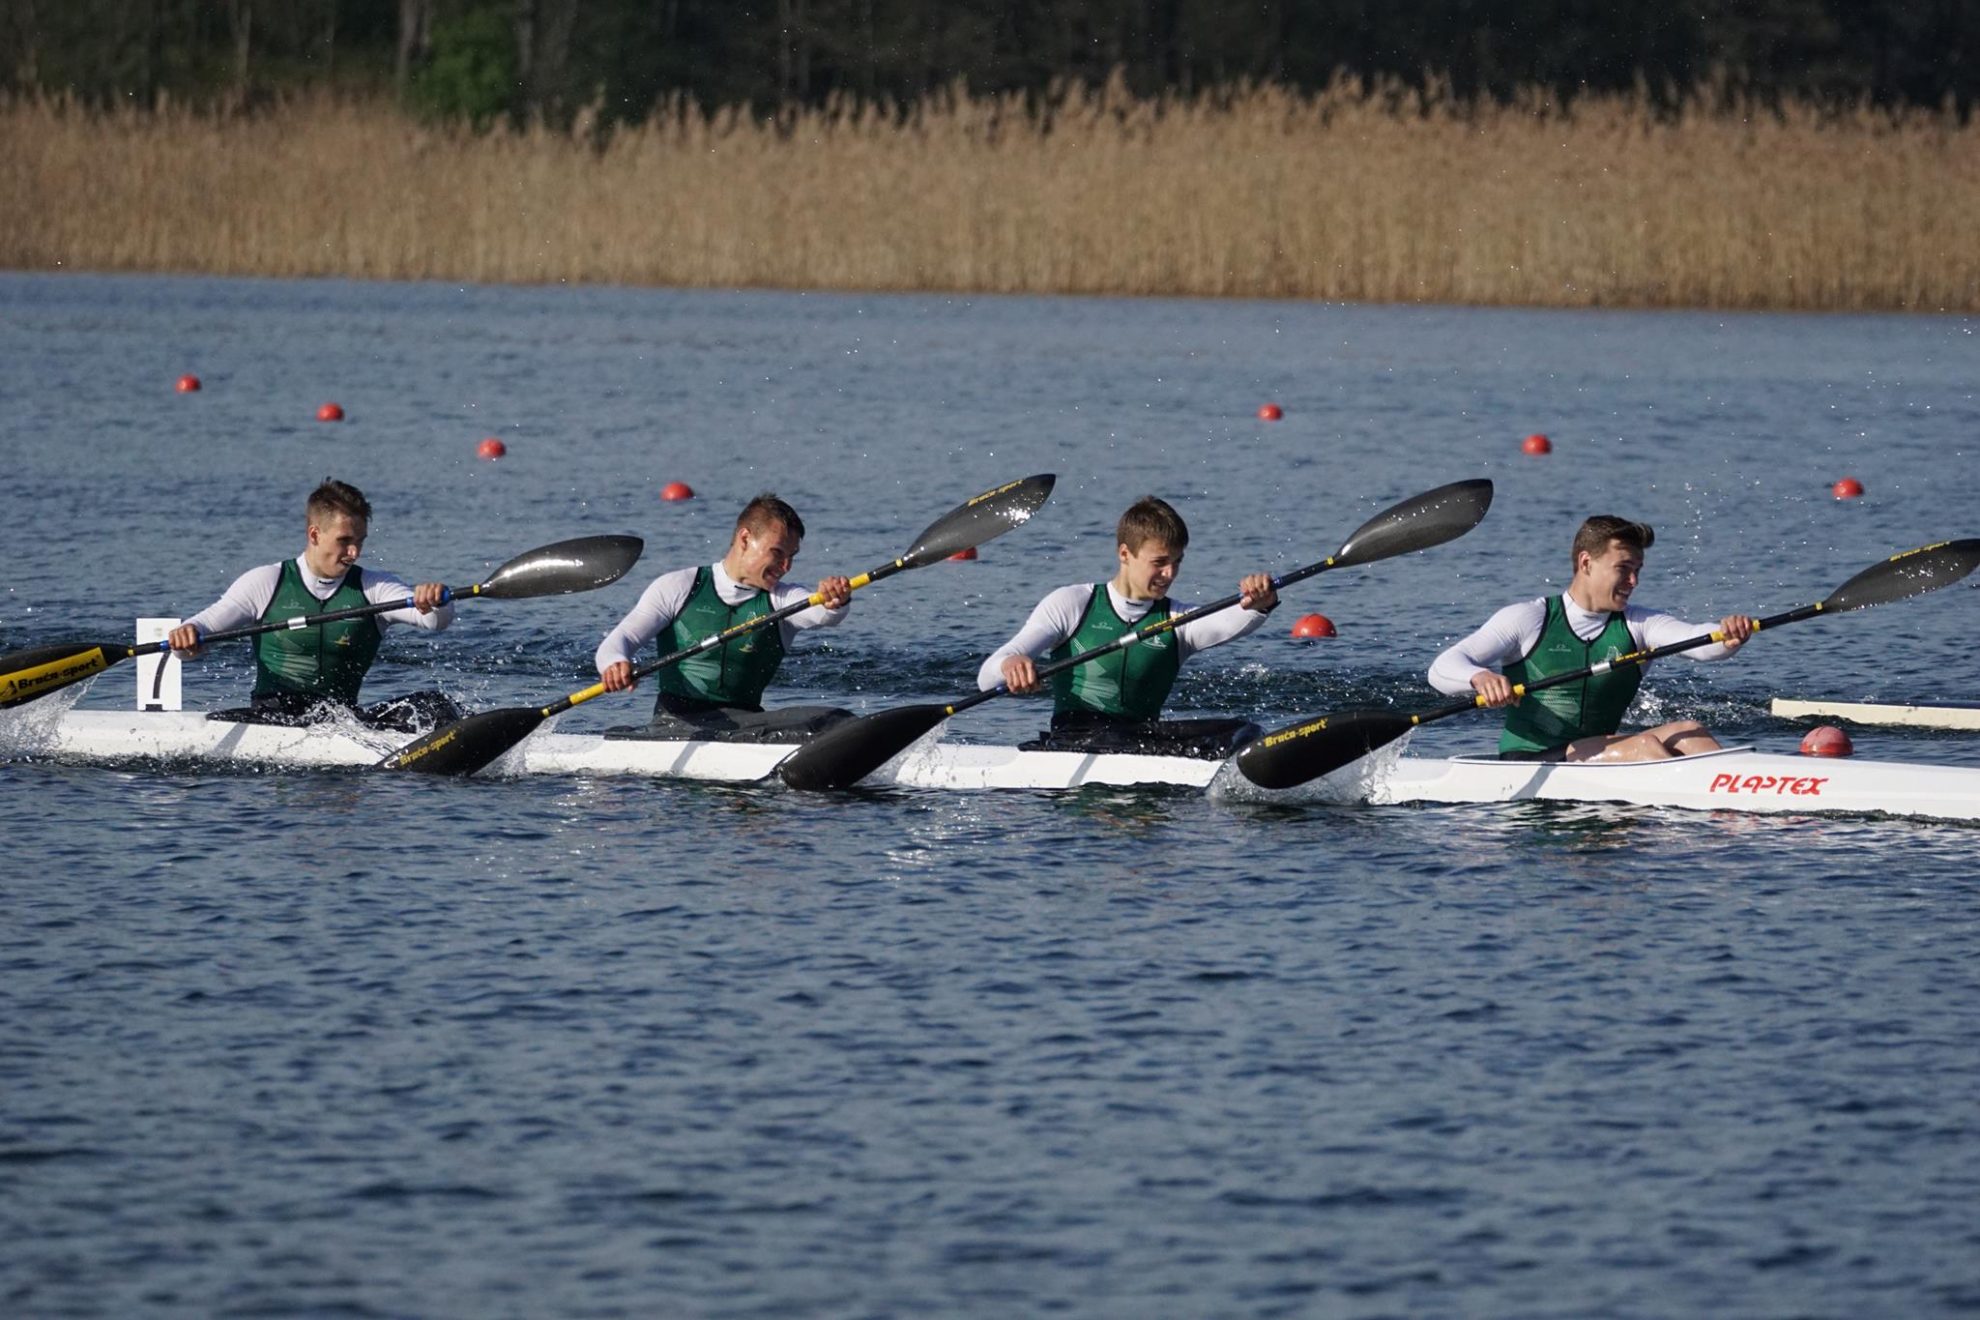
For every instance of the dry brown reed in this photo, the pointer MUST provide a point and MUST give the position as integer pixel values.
(1356, 193)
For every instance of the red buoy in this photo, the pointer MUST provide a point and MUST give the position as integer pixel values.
(967, 552)
(677, 490)
(1537, 444)
(491, 448)
(1826, 740)
(1847, 489)
(1313, 625)
(1270, 412)
(188, 384)
(330, 412)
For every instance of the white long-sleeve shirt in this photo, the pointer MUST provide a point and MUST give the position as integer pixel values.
(1512, 632)
(1057, 617)
(667, 595)
(243, 602)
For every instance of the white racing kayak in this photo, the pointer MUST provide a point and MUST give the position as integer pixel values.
(1731, 779)
(1920, 715)
(1735, 779)
(177, 736)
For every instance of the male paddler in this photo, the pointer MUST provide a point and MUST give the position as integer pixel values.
(1114, 703)
(307, 674)
(718, 694)
(1590, 622)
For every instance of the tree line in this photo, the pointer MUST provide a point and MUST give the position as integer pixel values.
(529, 59)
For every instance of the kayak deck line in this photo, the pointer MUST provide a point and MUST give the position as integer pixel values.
(1731, 779)
(1916, 715)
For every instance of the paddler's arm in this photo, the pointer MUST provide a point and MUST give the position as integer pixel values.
(1260, 598)
(1658, 628)
(240, 605)
(1471, 665)
(1014, 664)
(426, 614)
(837, 593)
(658, 605)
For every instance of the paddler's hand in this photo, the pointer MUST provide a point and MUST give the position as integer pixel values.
(428, 596)
(1260, 596)
(1497, 689)
(618, 676)
(1735, 629)
(185, 640)
(1020, 674)
(835, 593)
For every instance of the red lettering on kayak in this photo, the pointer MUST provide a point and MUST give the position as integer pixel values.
(1779, 785)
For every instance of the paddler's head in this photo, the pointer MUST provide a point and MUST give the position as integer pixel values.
(1608, 556)
(768, 533)
(338, 518)
(1150, 540)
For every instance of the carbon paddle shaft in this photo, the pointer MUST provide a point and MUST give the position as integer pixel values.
(1289, 757)
(468, 744)
(841, 757)
(761, 621)
(582, 564)
(1910, 573)
(1133, 636)
(36, 673)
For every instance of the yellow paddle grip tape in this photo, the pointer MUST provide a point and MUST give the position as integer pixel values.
(818, 597)
(578, 698)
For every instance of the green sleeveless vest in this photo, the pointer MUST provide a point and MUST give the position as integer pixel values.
(326, 660)
(734, 673)
(1559, 715)
(1134, 681)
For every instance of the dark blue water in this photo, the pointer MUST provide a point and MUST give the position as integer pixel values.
(334, 1044)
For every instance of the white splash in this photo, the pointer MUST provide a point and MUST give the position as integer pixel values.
(514, 763)
(1354, 783)
(34, 729)
(918, 763)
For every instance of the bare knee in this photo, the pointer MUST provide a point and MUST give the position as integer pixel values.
(1645, 746)
(1687, 738)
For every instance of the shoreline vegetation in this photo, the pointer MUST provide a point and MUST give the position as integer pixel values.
(1359, 192)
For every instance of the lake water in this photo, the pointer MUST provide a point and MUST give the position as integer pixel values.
(341, 1044)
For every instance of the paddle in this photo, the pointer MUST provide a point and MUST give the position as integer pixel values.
(842, 756)
(1301, 752)
(552, 570)
(466, 745)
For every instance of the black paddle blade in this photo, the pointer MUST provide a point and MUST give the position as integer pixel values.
(984, 518)
(841, 757)
(26, 675)
(1300, 753)
(1432, 518)
(465, 746)
(1912, 573)
(583, 564)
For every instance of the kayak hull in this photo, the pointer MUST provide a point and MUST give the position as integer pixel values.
(1733, 779)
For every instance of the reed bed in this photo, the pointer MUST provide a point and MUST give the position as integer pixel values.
(1354, 193)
